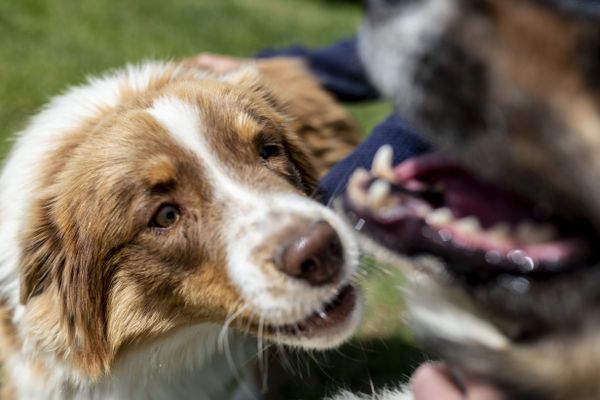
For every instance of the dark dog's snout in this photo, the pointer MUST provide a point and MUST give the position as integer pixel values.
(315, 255)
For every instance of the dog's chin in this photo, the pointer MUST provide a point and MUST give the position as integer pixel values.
(326, 327)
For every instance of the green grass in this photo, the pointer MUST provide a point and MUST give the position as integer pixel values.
(47, 45)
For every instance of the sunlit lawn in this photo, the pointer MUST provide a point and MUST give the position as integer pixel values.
(46, 45)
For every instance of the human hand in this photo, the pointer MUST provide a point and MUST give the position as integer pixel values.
(433, 382)
(218, 63)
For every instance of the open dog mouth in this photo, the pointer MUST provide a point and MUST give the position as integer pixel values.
(432, 204)
(333, 313)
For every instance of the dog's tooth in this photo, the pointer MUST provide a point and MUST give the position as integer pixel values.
(548, 232)
(382, 163)
(499, 231)
(358, 177)
(378, 193)
(355, 189)
(530, 232)
(357, 196)
(468, 225)
(441, 216)
(323, 314)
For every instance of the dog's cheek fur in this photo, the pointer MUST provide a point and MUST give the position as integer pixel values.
(151, 303)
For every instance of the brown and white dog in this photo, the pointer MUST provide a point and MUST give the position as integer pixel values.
(149, 209)
(503, 223)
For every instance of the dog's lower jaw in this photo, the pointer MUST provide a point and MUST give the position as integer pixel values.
(198, 362)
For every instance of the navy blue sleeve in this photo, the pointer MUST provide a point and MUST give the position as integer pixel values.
(337, 67)
(393, 131)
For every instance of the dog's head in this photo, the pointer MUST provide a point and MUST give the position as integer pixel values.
(509, 91)
(185, 202)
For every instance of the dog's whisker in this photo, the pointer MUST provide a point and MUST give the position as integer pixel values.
(240, 308)
(262, 360)
(283, 357)
(237, 375)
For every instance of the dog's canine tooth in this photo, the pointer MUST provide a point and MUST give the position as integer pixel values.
(360, 175)
(441, 216)
(468, 225)
(355, 190)
(530, 233)
(382, 163)
(378, 193)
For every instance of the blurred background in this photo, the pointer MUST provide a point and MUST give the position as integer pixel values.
(47, 45)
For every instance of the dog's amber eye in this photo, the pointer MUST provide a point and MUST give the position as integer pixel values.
(165, 217)
(270, 150)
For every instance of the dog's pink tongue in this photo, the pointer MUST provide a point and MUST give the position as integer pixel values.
(465, 197)
(464, 194)
(469, 198)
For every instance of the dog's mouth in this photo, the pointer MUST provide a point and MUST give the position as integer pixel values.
(331, 316)
(432, 204)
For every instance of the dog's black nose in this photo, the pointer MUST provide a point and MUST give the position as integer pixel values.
(315, 256)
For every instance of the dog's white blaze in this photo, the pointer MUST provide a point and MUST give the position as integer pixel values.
(182, 120)
(254, 217)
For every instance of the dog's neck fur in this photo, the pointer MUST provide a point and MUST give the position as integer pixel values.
(200, 362)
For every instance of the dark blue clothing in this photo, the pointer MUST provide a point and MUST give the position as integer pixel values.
(340, 71)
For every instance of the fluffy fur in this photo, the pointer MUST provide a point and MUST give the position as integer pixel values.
(510, 88)
(101, 301)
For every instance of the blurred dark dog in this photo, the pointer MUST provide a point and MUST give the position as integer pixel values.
(502, 223)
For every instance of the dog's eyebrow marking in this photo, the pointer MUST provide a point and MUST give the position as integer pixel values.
(160, 170)
(246, 121)
(183, 122)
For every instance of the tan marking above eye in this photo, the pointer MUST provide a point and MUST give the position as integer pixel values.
(159, 169)
(166, 216)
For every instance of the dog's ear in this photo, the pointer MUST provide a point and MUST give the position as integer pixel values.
(55, 257)
(42, 254)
